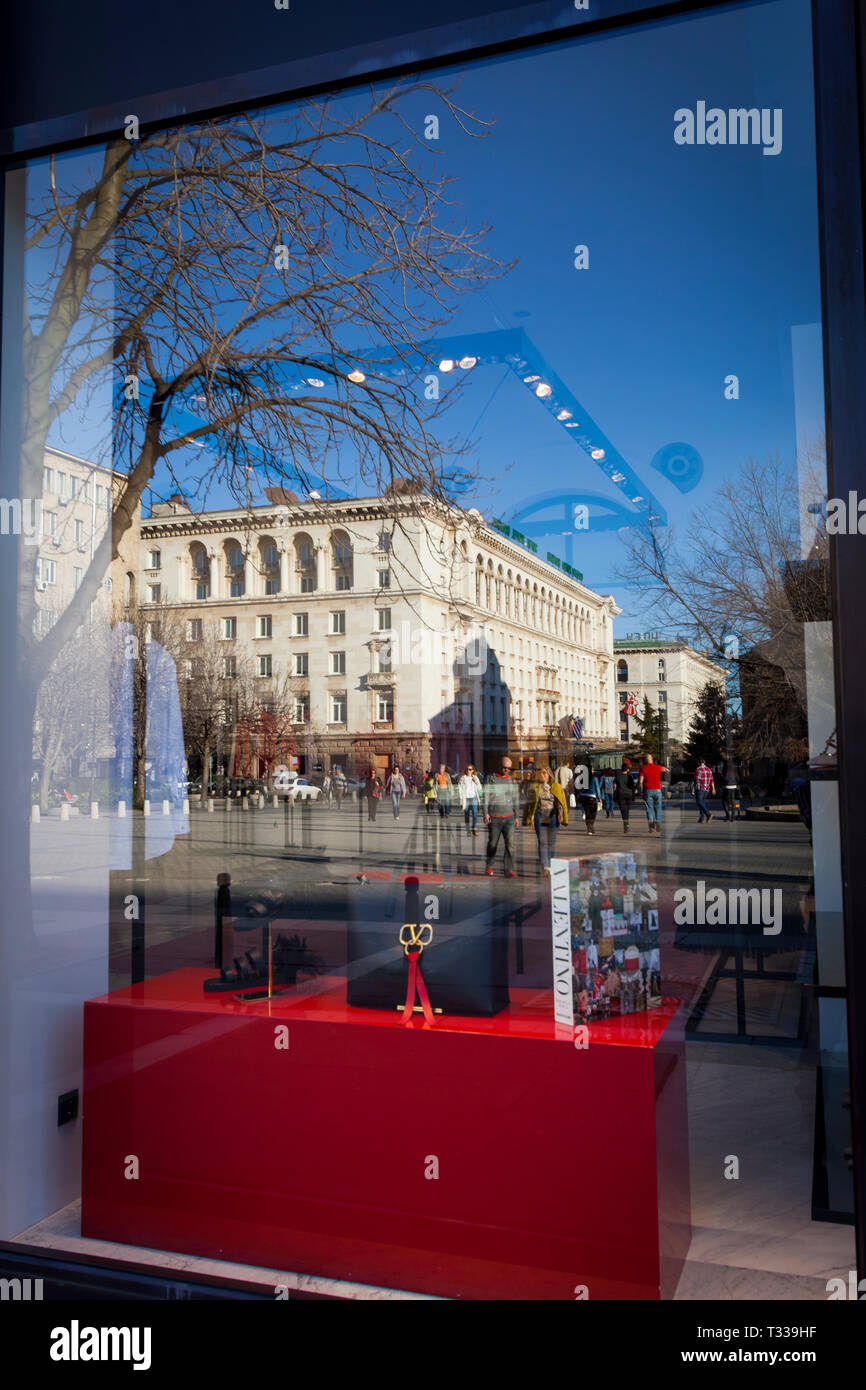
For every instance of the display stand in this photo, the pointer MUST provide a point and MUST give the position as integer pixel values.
(481, 1158)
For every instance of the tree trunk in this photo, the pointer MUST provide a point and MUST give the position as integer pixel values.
(140, 777)
(45, 784)
(205, 772)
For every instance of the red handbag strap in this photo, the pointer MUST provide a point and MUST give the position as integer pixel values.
(416, 984)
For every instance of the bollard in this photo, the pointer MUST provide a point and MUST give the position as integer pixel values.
(146, 807)
(64, 811)
(94, 810)
(275, 800)
(245, 803)
(166, 807)
(186, 805)
(121, 809)
(34, 814)
(229, 802)
(210, 803)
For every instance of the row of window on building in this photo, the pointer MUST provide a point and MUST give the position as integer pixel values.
(235, 560)
(622, 670)
(66, 487)
(46, 573)
(337, 708)
(51, 529)
(264, 625)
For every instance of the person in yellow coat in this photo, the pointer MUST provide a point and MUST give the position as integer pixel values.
(546, 810)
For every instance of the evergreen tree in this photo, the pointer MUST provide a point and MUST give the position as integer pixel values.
(647, 740)
(706, 738)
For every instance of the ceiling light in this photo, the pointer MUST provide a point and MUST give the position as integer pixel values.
(446, 365)
(316, 496)
(542, 390)
(529, 379)
(467, 362)
(315, 381)
(564, 415)
(597, 453)
(356, 376)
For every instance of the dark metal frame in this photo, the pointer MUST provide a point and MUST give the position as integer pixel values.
(840, 59)
(839, 29)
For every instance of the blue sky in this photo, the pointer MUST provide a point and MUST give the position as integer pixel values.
(703, 260)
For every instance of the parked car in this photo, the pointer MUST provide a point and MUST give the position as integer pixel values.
(298, 789)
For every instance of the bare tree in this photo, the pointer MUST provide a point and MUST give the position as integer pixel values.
(743, 581)
(205, 688)
(133, 630)
(278, 274)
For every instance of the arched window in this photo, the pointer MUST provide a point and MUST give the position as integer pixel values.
(269, 565)
(662, 669)
(235, 568)
(342, 560)
(622, 670)
(199, 562)
(305, 564)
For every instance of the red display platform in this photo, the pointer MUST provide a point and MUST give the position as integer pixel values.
(559, 1168)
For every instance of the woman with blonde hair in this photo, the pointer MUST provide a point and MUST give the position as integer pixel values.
(546, 810)
(470, 791)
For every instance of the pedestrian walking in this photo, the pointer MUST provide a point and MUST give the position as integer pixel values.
(650, 783)
(443, 791)
(546, 811)
(470, 792)
(731, 783)
(607, 789)
(326, 789)
(501, 809)
(590, 800)
(397, 789)
(339, 786)
(704, 783)
(429, 792)
(372, 790)
(623, 791)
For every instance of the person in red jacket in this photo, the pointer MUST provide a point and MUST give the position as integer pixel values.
(650, 783)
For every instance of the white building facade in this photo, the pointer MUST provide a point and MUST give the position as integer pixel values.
(670, 674)
(390, 630)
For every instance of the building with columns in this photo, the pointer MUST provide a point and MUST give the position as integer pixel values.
(383, 630)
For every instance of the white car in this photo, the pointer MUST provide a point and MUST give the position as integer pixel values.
(297, 788)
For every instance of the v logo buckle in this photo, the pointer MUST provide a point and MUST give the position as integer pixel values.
(413, 938)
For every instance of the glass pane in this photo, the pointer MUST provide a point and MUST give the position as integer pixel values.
(564, 403)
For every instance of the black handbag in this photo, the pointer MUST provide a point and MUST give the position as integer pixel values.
(398, 952)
